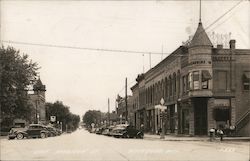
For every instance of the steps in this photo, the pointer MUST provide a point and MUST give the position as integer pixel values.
(242, 122)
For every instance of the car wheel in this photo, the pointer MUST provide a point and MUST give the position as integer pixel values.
(43, 135)
(19, 136)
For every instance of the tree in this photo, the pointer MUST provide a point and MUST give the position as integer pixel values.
(17, 72)
(62, 114)
(92, 116)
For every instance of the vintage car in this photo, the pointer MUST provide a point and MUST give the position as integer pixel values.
(52, 131)
(33, 130)
(126, 131)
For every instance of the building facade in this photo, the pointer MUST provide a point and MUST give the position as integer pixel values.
(122, 112)
(203, 87)
(37, 100)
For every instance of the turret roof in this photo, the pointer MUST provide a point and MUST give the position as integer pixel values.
(200, 37)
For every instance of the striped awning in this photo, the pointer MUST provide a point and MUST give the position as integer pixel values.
(206, 75)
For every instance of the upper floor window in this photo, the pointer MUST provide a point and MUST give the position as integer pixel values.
(205, 77)
(246, 81)
(222, 80)
(196, 80)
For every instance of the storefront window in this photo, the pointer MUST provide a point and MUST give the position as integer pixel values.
(221, 114)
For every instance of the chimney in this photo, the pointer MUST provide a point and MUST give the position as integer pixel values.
(219, 46)
(232, 44)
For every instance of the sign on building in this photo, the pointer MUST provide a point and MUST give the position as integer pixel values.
(53, 118)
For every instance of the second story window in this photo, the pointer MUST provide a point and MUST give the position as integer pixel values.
(205, 77)
(222, 80)
(184, 84)
(196, 80)
(246, 81)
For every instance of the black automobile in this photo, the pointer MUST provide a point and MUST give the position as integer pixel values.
(99, 130)
(33, 130)
(51, 131)
(126, 131)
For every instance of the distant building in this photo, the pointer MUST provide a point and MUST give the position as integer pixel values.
(121, 109)
(203, 87)
(37, 99)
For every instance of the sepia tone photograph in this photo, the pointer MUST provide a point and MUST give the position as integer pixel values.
(125, 80)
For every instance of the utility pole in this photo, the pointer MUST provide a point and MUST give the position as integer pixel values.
(108, 113)
(149, 60)
(126, 100)
(200, 13)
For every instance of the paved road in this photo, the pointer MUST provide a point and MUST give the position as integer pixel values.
(82, 145)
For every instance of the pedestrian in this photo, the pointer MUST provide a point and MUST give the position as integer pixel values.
(220, 132)
(212, 134)
(142, 128)
(159, 131)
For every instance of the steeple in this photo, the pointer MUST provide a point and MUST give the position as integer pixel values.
(38, 86)
(200, 37)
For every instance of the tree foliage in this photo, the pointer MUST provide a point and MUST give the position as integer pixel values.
(62, 114)
(92, 116)
(17, 72)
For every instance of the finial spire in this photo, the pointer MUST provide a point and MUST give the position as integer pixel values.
(200, 13)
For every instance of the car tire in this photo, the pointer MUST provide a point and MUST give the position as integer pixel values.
(43, 135)
(139, 136)
(19, 136)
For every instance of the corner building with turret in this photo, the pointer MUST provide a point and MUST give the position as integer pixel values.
(202, 86)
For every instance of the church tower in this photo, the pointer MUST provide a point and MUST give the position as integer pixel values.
(38, 100)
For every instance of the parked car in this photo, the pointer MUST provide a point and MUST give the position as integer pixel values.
(51, 131)
(58, 131)
(33, 130)
(99, 130)
(105, 131)
(127, 131)
(110, 128)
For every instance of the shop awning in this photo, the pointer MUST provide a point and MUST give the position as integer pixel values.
(246, 76)
(206, 75)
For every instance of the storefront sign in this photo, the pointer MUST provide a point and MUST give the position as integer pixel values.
(221, 102)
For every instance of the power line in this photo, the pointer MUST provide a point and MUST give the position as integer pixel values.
(116, 50)
(223, 14)
(81, 48)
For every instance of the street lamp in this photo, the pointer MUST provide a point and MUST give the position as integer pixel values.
(162, 109)
(61, 126)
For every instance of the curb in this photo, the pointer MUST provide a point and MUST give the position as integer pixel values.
(207, 139)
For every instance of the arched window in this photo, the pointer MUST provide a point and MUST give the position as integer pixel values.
(170, 86)
(174, 84)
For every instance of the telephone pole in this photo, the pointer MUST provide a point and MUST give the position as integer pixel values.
(126, 100)
(108, 113)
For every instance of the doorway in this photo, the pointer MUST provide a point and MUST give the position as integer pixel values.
(200, 116)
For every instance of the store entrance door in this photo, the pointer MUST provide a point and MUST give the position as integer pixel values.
(200, 116)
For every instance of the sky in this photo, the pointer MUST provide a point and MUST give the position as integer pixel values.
(85, 79)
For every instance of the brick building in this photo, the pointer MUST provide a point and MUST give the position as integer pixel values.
(203, 87)
(37, 99)
(121, 109)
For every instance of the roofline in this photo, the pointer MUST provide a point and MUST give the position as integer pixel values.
(168, 57)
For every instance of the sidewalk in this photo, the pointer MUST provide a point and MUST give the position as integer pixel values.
(192, 138)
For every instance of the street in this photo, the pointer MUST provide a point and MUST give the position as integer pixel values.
(82, 145)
